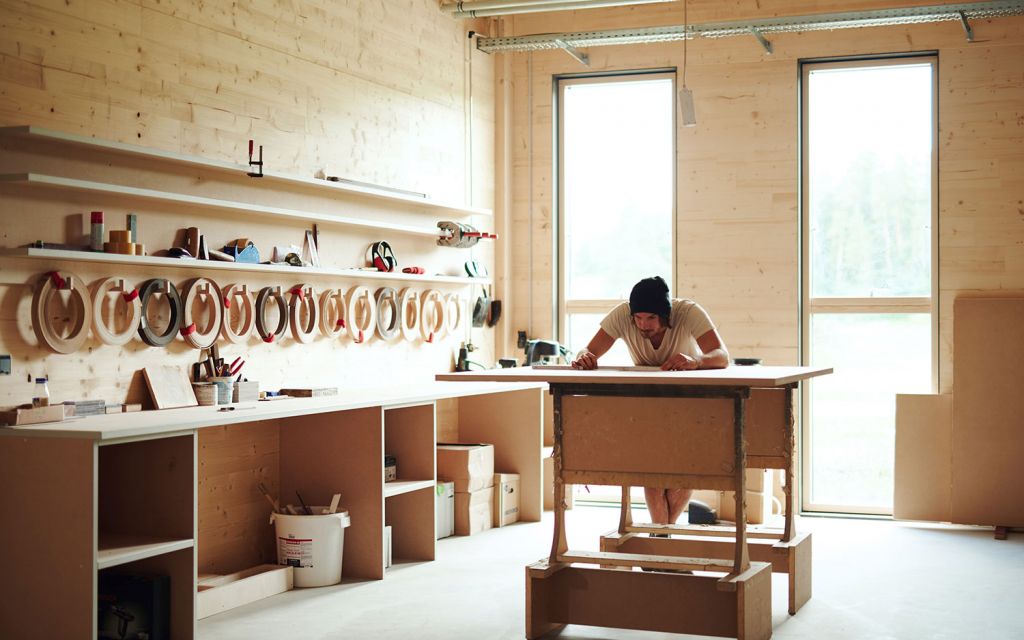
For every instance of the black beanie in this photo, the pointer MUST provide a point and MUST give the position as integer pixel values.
(650, 295)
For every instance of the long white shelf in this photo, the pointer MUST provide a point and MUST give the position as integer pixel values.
(73, 184)
(343, 188)
(114, 549)
(398, 487)
(216, 265)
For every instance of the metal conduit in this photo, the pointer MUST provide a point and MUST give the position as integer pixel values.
(488, 8)
(960, 12)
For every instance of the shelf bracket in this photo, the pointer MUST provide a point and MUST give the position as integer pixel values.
(580, 57)
(967, 26)
(763, 40)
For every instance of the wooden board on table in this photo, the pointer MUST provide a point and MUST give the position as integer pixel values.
(169, 387)
(729, 377)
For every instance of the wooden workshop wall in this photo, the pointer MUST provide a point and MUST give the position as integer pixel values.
(737, 175)
(383, 92)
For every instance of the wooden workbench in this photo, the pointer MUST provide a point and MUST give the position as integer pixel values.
(689, 429)
(173, 492)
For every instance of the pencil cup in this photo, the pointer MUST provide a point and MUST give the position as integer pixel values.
(206, 393)
(225, 388)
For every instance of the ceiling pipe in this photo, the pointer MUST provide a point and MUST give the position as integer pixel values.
(488, 8)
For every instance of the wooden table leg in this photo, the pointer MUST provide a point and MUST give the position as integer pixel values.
(789, 531)
(742, 557)
(558, 543)
(625, 511)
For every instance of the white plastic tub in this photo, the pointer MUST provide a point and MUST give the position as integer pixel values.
(313, 545)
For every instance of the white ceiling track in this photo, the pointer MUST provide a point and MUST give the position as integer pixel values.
(488, 8)
(959, 12)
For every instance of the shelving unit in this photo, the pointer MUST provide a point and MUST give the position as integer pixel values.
(88, 186)
(409, 435)
(116, 549)
(214, 265)
(398, 487)
(427, 204)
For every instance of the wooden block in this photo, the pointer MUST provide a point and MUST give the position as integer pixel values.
(35, 415)
(923, 474)
(120, 237)
(311, 392)
(216, 594)
(119, 248)
(169, 387)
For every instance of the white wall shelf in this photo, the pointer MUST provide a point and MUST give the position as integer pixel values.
(398, 487)
(57, 182)
(341, 188)
(216, 265)
(115, 549)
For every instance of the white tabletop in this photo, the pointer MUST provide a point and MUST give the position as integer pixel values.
(733, 376)
(145, 423)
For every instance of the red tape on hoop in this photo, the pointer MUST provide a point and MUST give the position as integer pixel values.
(189, 330)
(296, 291)
(361, 338)
(131, 295)
(340, 323)
(58, 281)
(227, 302)
(269, 338)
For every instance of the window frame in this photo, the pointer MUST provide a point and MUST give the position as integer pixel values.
(564, 307)
(847, 305)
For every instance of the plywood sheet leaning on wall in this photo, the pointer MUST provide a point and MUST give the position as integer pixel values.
(988, 431)
(923, 473)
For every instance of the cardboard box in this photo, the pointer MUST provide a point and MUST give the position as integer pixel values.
(549, 484)
(444, 507)
(473, 511)
(506, 499)
(469, 466)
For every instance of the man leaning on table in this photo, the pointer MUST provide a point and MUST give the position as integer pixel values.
(660, 331)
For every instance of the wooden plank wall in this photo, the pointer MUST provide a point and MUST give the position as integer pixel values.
(738, 192)
(385, 92)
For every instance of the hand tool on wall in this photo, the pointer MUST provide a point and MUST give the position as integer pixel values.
(257, 164)
(460, 235)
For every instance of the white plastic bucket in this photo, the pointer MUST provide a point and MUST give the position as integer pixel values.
(313, 545)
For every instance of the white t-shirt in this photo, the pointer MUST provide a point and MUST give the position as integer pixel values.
(689, 321)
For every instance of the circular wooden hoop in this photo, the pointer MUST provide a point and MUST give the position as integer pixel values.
(264, 297)
(453, 312)
(361, 332)
(409, 303)
(202, 339)
(48, 285)
(432, 329)
(99, 290)
(304, 296)
(231, 294)
(387, 296)
(332, 313)
(146, 291)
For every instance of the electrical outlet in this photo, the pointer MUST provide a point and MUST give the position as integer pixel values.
(5, 365)
(521, 340)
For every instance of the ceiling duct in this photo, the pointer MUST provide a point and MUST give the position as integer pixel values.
(960, 12)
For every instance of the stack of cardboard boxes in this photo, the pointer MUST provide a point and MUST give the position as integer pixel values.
(483, 499)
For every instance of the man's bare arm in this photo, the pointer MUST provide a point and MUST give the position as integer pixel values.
(599, 345)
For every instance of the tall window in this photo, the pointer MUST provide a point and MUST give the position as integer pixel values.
(869, 270)
(616, 162)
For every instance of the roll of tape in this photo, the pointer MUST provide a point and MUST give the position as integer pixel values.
(362, 314)
(237, 301)
(452, 312)
(264, 297)
(206, 291)
(303, 297)
(409, 303)
(42, 323)
(101, 289)
(146, 292)
(432, 323)
(389, 314)
(332, 313)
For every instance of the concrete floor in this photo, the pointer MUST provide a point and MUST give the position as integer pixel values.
(873, 580)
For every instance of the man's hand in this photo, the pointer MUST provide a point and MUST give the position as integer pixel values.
(680, 362)
(585, 360)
